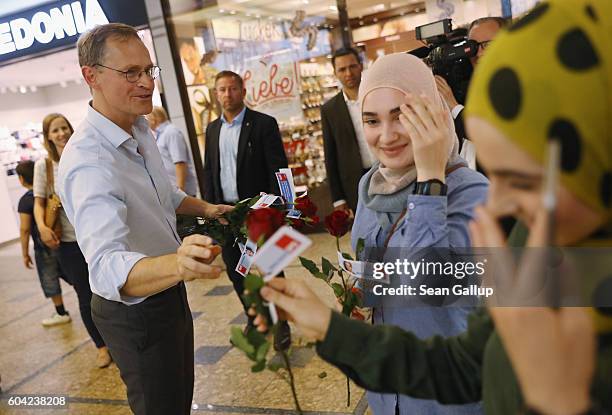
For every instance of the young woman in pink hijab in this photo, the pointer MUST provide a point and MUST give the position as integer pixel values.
(420, 194)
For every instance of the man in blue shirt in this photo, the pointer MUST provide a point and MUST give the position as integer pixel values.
(118, 197)
(174, 150)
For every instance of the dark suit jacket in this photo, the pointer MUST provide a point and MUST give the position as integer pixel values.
(460, 129)
(260, 155)
(342, 157)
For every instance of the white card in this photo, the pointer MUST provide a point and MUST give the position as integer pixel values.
(246, 259)
(286, 186)
(357, 269)
(278, 251)
(264, 201)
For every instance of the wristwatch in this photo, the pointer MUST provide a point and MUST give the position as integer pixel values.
(433, 187)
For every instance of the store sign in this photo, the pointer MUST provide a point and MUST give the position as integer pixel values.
(60, 23)
(273, 88)
(261, 31)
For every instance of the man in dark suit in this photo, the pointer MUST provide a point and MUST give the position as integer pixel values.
(347, 156)
(243, 152)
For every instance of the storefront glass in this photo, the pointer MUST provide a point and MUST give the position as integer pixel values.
(283, 51)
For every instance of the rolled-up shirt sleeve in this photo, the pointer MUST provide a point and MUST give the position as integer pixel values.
(95, 205)
(177, 197)
(177, 147)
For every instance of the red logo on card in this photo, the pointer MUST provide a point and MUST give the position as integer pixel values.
(287, 243)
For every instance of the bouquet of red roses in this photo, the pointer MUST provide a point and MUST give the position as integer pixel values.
(258, 226)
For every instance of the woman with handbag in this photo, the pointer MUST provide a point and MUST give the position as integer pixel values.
(56, 231)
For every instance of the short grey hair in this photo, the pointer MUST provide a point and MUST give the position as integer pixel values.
(92, 44)
(502, 22)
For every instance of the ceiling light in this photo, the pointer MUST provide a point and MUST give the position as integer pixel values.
(221, 10)
(63, 84)
(333, 8)
(232, 12)
(379, 7)
(33, 88)
(13, 89)
(23, 89)
(305, 1)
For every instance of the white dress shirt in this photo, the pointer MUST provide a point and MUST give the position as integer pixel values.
(367, 159)
(229, 137)
(117, 195)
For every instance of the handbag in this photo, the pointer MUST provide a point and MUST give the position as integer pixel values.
(54, 204)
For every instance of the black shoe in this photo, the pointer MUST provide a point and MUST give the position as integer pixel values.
(282, 338)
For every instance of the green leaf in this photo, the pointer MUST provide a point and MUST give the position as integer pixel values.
(347, 256)
(338, 289)
(322, 375)
(256, 339)
(262, 351)
(310, 266)
(241, 342)
(259, 366)
(360, 247)
(253, 283)
(328, 268)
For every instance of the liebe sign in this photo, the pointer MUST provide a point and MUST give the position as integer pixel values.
(60, 23)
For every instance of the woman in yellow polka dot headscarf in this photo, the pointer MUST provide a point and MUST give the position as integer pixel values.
(548, 77)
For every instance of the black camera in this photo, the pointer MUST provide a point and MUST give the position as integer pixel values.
(448, 53)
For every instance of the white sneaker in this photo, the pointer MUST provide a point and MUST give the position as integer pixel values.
(56, 319)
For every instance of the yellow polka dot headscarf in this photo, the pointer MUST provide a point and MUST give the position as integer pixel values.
(550, 76)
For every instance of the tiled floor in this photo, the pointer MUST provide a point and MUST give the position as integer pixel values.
(60, 361)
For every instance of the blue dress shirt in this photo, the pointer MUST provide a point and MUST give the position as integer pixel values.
(117, 195)
(174, 149)
(229, 137)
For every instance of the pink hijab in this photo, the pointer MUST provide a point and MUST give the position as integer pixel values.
(405, 73)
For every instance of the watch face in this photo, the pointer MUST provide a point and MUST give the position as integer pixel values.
(435, 189)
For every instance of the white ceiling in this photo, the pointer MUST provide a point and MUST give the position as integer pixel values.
(286, 8)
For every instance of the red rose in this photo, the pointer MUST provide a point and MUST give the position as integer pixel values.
(338, 223)
(357, 315)
(305, 205)
(315, 220)
(297, 224)
(263, 222)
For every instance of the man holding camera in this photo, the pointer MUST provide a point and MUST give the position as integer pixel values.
(482, 31)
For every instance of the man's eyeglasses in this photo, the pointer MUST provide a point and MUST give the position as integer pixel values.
(134, 75)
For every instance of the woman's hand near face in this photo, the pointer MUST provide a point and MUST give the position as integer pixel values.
(297, 303)
(428, 127)
(552, 351)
